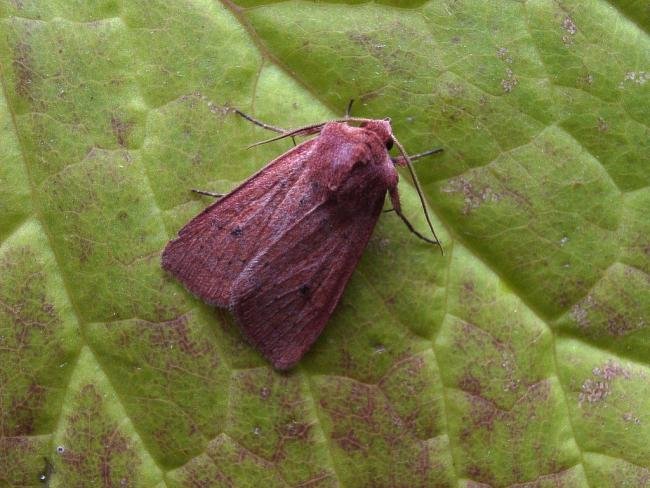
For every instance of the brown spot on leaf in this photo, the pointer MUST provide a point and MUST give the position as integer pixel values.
(593, 391)
(539, 392)
(368, 97)
(483, 413)
(297, 430)
(509, 82)
(569, 26)
(456, 90)
(630, 417)
(423, 464)
(25, 409)
(175, 333)
(618, 320)
(22, 64)
(83, 247)
(597, 388)
(392, 57)
(502, 54)
(470, 384)
(97, 450)
(121, 130)
(477, 472)
(637, 77)
(474, 196)
(571, 30)
(368, 43)
(468, 290)
(28, 323)
(197, 159)
(603, 126)
(349, 442)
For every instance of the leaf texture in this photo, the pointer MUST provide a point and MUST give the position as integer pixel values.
(520, 358)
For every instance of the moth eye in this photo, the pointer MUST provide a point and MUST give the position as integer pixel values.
(389, 144)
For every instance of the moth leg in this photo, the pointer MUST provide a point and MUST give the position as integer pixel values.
(348, 110)
(208, 193)
(400, 161)
(414, 231)
(394, 198)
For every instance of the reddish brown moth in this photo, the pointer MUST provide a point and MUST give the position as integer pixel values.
(280, 248)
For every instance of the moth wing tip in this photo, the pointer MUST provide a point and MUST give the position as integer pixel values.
(284, 362)
(165, 258)
(168, 259)
(282, 366)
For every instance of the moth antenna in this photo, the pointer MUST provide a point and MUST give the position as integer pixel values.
(308, 130)
(301, 131)
(260, 123)
(418, 188)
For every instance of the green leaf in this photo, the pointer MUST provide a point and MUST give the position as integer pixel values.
(518, 357)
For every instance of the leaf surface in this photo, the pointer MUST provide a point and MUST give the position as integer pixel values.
(519, 358)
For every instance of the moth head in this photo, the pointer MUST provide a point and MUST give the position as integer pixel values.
(383, 130)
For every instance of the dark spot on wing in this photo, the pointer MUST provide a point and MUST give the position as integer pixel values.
(236, 232)
(304, 290)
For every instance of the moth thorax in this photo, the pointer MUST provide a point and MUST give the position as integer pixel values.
(383, 130)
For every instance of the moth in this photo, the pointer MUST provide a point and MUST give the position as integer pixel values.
(279, 249)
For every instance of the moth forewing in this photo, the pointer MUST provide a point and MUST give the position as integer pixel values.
(279, 250)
